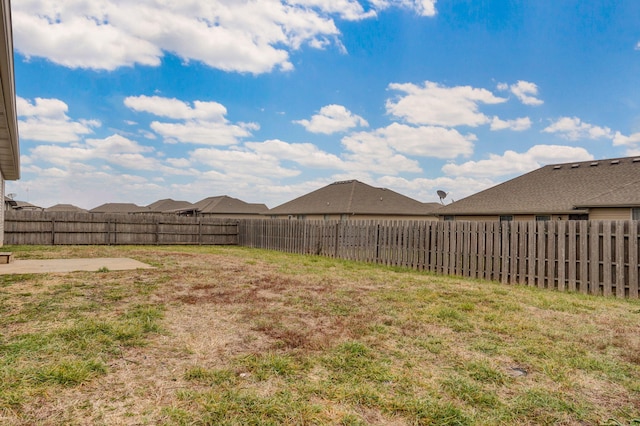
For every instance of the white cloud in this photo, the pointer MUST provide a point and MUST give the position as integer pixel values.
(423, 141)
(47, 120)
(433, 104)
(240, 36)
(242, 163)
(512, 162)
(572, 128)
(203, 124)
(632, 142)
(422, 7)
(201, 132)
(114, 151)
(517, 125)
(332, 119)
(304, 154)
(346, 9)
(85, 188)
(527, 92)
(370, 152)
(176, 109)
(181, 163)
(425, 189)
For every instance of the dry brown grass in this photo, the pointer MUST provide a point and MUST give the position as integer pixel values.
(267, 338)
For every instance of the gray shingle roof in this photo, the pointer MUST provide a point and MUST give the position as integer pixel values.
(558, 188)
(224, 204)
(627, 195)
(65, 208)
(23, 205)
(119, 208)
(354, 197)
(168, 205)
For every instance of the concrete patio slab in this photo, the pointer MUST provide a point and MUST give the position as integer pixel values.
(35, 266)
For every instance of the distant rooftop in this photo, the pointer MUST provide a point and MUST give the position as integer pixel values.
(224, 204)
(354, 197)
(119, 208)
(558, 188)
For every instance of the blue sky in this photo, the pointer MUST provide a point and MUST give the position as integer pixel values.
(267, 100)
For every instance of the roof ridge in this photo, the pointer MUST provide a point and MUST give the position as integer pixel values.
(630, 159)
(353, 190)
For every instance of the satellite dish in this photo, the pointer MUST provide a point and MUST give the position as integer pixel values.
(11, 196)
(442, 195)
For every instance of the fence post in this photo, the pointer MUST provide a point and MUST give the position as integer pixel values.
(53, 231)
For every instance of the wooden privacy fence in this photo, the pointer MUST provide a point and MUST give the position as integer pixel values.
(59, 228)
(595, 257)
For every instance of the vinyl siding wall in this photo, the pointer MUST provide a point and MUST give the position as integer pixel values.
(516, 217)
(233, 215)
(610, 213)
(2, 210)
(352, 217)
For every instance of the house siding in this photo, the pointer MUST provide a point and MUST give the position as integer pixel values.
(610, 213)
(233, 215)
(353, 217)
(516, 217)
(2, 210)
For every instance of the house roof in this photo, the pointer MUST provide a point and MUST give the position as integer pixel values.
(119, 208)
(224, 204)
(558, 188)
(23, 205)
(168, 205)
(354, 197)
(626, 195)
(65, 208)
(9, 145)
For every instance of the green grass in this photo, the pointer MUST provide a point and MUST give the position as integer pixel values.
(63, 332)
(233, 336)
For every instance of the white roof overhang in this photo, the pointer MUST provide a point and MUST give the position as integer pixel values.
(9, 145)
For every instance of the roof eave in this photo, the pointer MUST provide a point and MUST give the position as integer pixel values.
(609, 206)
(511, 213)
(9, 154)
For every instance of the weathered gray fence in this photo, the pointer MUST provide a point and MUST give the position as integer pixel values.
(596, 257)
(59, 228)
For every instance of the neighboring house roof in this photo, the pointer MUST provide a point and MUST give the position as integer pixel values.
(65, 208)
(9, 145)
(168, 205)
(119, 208)
(23, 205)
(558, 188)
(354, 197)
(224, 204)
(10, 201)
(433, 206)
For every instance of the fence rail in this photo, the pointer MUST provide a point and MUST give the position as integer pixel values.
(595, 257)
(60, 228)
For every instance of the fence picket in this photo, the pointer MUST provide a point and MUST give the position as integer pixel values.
(594, 258)
(562, 241)
(619, 265)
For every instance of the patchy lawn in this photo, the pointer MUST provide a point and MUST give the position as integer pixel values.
(226, 335)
